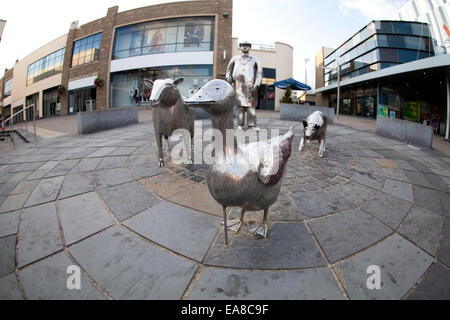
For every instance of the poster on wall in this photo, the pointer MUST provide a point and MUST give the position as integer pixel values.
(155, 40)
(383, 110)
(193, 35)
(136, 43)
(411, 110)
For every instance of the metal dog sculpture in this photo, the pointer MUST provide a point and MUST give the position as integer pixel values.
(315, 128)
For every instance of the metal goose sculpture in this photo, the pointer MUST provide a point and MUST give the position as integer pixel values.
(237, 180)
(169, 113)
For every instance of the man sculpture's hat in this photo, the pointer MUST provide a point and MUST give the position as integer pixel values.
(245, 43)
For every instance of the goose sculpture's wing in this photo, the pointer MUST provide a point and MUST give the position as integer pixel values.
(269, 158)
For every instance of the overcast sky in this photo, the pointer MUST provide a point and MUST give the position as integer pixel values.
(306, 25)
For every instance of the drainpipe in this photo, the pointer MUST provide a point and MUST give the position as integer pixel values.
(447, 132)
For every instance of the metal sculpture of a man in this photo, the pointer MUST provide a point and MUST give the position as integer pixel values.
(246, 73)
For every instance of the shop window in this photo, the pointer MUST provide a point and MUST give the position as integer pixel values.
(45, 67)
(128, 87)
(86, 50)
(402, 28)
(406, 55)
(172, 35)
(388, 55)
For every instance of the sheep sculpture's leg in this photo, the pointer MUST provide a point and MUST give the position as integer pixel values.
(321, 148)
(261, 230)
(159, 143)
(302, 143)
(236, 224)
(225, 228)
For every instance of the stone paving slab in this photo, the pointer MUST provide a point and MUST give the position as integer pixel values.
(113, 162)
(112, 177)
(9, 289)
(194, 231)
(399, 189)
(166, 184)
(355, 193)
(62, 169)
(102, 152)
(7, 255)
(288, 246)
(223, 284)
(78, 183)
(8, 223)
(136, 269)
(14, 202)
(315, 204)
(7, 188)
(83, 216)
(434, 286)
(202, 201)
(47, 280)
(86, 165)
(423, 228)
(346, 233)
(444, 251)
(39, 234)
(401, 264)
(137, 200)
(388, 209)
(368, 179)
(46, 191)
(25, 187)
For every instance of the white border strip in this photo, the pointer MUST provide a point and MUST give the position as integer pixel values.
(81, 83)
(162, 60)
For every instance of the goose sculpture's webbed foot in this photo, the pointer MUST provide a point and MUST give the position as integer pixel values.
(259, 230)
(235, 224)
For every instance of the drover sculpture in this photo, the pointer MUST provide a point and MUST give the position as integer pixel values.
(246, 73)
(315, 128)
(237, 179)
(169, 113)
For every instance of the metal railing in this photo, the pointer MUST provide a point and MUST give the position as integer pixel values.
(11, 123)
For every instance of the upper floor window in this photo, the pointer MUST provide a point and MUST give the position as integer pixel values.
(86, 50)
(7, 88)
(163, 36)
(46, 67)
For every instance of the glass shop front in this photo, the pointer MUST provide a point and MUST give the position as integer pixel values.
(128, 89)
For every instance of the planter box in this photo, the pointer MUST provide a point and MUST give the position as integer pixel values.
(99, 120)
(406, 131)
(298, 112)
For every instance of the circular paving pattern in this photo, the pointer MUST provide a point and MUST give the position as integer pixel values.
(101, 203)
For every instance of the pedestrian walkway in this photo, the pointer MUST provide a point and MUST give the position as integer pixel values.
(101, 203)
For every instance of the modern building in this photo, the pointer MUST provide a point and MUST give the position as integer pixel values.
(102, 64)
(436, 14)
(277, 61)
(388, 68)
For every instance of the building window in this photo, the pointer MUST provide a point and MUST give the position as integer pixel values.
(46, 67)
(7, 88)
(165, 36)
(86, 50)
(128, 88)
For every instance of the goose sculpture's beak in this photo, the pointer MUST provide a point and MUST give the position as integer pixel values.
(199, 100)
